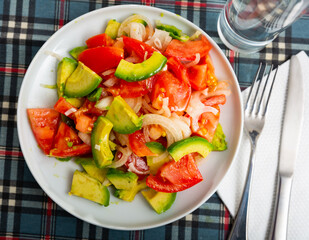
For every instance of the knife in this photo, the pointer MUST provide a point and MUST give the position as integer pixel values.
(290, 140)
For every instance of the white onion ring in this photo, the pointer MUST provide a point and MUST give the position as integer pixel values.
(104, 103)
(194, 62)
(132, 168)
(108, 72)
(159, 158)
(134, 103)
(85, 137)
(126, 153)
(70, 111)
(110, 82)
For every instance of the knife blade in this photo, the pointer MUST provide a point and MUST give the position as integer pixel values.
(290, 141)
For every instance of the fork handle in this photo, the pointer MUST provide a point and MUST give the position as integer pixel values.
(282, 208)
(239, 227)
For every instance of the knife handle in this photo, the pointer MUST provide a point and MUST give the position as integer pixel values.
(282, 208)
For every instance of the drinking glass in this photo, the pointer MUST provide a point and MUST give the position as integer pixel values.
(247, 26)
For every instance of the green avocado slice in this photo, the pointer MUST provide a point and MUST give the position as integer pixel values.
(81, 82)
(189, 145)
(101, 151)
(90, 188)
(122, 116)
(112, 28)
(76, 51)
(159, 201)
(122, 180)
(131, 72)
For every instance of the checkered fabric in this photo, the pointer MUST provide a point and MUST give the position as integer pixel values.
(26, 212)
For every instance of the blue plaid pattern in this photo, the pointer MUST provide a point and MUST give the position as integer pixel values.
(26, 212)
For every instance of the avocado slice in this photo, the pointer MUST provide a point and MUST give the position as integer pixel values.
(122, 180)
(90, 188)
(76, 51)
(76, 102)
(159, 201)
(157, 148)
(129, 195)
(65, 68)
(95, 95)
(91, 168)
(81, 82)
(101, 151)
(136, 72)
(189, 145)
(122, 116)
(218, 140)
(112, 28)
(174, 32)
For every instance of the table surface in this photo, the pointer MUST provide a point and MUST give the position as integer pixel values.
(26, 211)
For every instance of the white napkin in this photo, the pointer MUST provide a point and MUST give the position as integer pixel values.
(263, 185)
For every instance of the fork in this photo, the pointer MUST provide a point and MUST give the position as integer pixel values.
(255, 111)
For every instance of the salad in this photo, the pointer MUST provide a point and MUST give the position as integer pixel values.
(138, 107)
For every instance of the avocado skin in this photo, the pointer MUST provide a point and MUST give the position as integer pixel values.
(120, 179)
(90, 188)
(64, 70)
(159, 201)
(218, 140)
(189, 145)
(124, 119)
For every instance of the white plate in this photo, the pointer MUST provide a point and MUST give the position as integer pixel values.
(55, 177)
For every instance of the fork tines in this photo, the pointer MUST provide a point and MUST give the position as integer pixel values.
(258, 89)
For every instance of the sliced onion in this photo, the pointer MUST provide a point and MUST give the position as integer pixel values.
(132, 168)
(159, 158)
(160, 39)
(104, 103)
(165, 111)
(108, 72)
(124, 25)
(185, 129)
(53, 54)
(110, 82)
(196, 108)
(134, 103)
(173, 134)
(70, 111)
(85, 137)
(126, 153)
(123, 139)
(133, 59)
(137, 31)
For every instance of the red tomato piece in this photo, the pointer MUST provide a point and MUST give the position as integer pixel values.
(137, 143)
(208, 123)
(66, 137)
(62, 106)
(44, 123)
(167, 85)
(197, 75)
(129, 89)
(179, 70)
(84, 123)
(175, 176)
(186, 51)
(74, 151)
(215, 100)
(89, 108)
(100, 59)
(140, 48)
(100, 40)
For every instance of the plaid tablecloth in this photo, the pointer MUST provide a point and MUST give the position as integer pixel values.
(26, 211)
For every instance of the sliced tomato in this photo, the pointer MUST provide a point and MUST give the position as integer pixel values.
(77, 150)
(100, 40)
(84, 123)
(197, 75)
(215, 100)
(186, 51)
(100, 59)
(175, 176)
(167, 85)
(137, 143)
(89, 108)
(141, 49)
(44, 123)
(131, 89)
(66, 137)
(179, 70)
(208, 123)
(64, 107)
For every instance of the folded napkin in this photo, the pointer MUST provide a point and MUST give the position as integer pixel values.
(264, 181)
